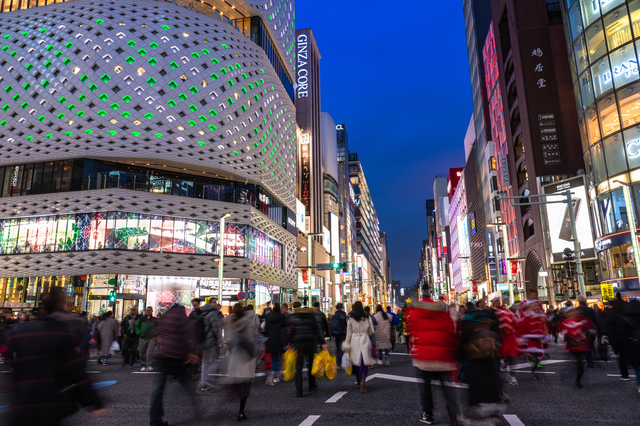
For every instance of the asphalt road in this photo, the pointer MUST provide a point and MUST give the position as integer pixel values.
(392, 398)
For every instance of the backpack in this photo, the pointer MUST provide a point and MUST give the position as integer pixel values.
(338, 324)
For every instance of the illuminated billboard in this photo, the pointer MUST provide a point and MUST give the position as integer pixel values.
(559, 221)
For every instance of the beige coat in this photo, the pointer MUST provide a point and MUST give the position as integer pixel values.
(383, 331)
(358, 342)
(239, 365)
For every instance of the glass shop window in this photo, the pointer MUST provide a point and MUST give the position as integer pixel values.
(634, 11)
(606, 213)
(580, 52)
(602, 77)
(624, 65)
(626, 256)
(617, 28)
(575, 21)
(629, 100)
(590, 11)
(620, 210)
(595, 41)
(586, 89)
(593, 125)
(616, 262)
(605, 264)
(632, 147)
(609, 118)
(615, 155)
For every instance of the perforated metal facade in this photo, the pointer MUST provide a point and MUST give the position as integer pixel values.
(146, 81)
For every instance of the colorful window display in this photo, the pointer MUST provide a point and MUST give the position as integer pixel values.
(134, 231)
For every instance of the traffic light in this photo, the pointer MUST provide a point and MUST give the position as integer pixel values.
(112, 297)
(336, 265)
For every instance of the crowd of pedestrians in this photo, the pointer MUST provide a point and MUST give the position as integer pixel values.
(475, 344)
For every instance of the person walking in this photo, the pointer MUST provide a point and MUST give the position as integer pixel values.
(394, 323)
(241, 333)
(175, 349)
(509, 350)
(615, 329)
(196, 321)
(590, 314)
(339, 331)
(129, 337)
(533, 332)
(322, 318)
(631, 333)
(305, 335)
(577, 330)
(358, 344)
(383, 335)
(433, 346)
(276, 332)
(480, 341)
(108, 329)
(210, 343)
(146, 329)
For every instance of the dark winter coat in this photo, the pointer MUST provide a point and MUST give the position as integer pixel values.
(631, 331)
(128, 326)
(304, 326)
(339, 323)
(276, 331)
(480, 336)
(211, 327)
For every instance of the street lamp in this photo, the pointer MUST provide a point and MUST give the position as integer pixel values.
(505, 247)
(632, 221)
(309, 261)
(221, 257)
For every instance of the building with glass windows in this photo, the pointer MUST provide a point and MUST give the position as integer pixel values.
(604, 40)
(127, 131)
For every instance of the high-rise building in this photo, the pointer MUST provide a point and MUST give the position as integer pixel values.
(441, 217)
(602, 40)
(534, 125)
(127, 133)
(367, 232)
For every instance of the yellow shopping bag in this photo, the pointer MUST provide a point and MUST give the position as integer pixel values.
(319, 361)
(290, 358)
(330, 368)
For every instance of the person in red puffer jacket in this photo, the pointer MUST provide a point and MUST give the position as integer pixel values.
(577, 330)
(433, 346)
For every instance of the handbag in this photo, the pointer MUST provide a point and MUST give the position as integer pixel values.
(374, 353)
(115, 346)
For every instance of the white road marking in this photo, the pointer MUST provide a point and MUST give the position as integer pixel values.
(414, 380)
(335, 397)
(513, 420)
(537, 372)
(547, 362)
(93, 372)
(309, 421)
(397, 353)
(620, 375)
(146, 372)
(5, 371)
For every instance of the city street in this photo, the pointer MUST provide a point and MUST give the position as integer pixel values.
(392, 398)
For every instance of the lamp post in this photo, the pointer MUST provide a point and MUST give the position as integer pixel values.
(505, 247)
(309, 263)
(632, 221)
(221, 257)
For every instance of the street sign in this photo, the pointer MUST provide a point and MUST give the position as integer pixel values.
(251, 295)
(607, 292)
(242, 295)
(324, 266)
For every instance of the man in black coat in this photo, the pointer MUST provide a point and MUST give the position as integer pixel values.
(339, 331)
(305, 335)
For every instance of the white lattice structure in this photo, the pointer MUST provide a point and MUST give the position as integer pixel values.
(279, 16)
(129, 80)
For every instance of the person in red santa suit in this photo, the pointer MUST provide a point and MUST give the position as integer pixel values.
(577, 330)
(509, 350)
(533, 332)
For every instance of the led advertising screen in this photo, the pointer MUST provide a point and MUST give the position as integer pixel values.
(559, 221)
(335, 235)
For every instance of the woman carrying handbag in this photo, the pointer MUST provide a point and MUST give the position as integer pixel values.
(358, 343)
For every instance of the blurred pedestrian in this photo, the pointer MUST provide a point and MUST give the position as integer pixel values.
(241, 332)
(577, 331)
(590, 314)
(480, 341)
(305, 335)
(433, 348)
(146, 330)
(48, 374)
(631, 333)
(339, 330)
(196, 321)
(509, 350)
(358, 344)
(322, 318)
(129, 337)
(211, 343)
(175, 348)
(276, 332)
(615, 330)
(533, 333)
(394, 323)
(108, 329)
(383, 336)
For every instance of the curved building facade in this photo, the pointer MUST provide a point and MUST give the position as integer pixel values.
(128, 129)
(604, 43)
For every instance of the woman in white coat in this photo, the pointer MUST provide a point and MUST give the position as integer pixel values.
(358, 344)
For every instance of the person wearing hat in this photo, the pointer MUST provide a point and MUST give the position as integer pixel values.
(577, 331)
(590, 314)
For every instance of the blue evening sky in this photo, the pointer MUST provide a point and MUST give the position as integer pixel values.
(399, 79)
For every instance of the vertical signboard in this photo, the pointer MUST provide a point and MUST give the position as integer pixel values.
(334, 222)
(305, 171)
(504, 170)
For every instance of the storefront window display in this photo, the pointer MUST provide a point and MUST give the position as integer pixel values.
(133, 231)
